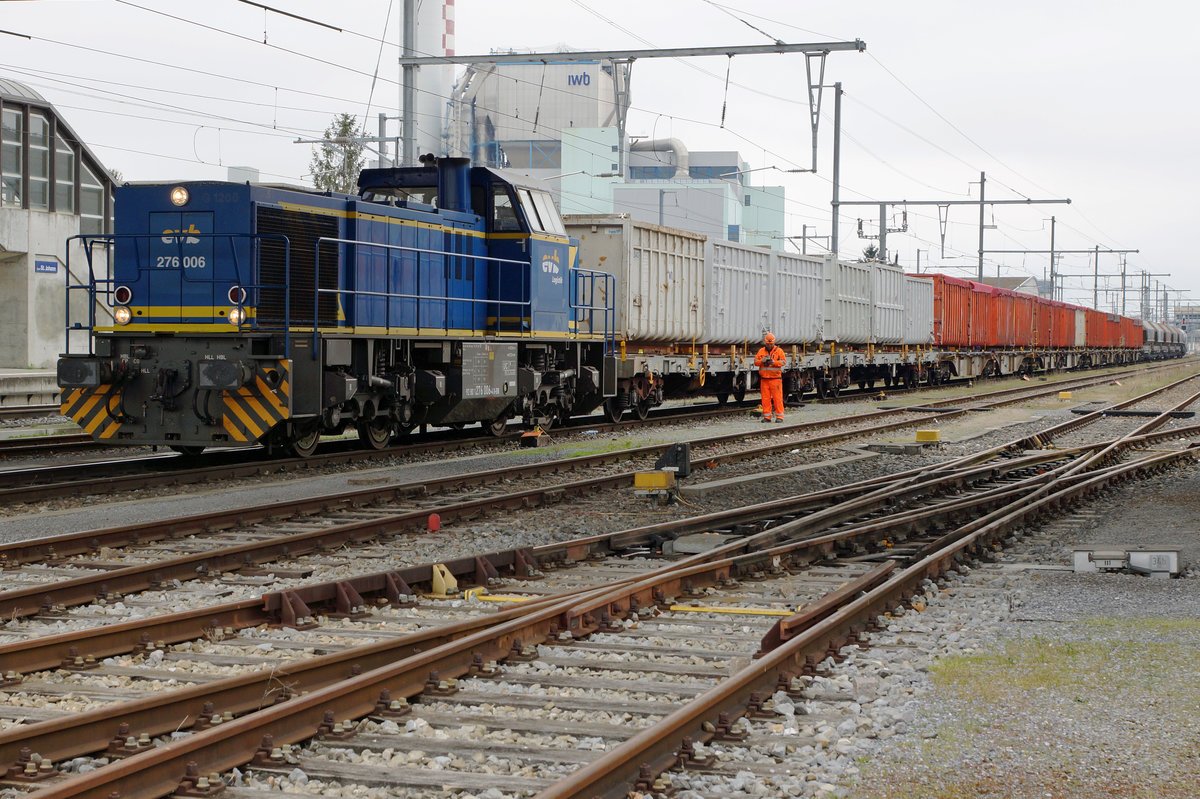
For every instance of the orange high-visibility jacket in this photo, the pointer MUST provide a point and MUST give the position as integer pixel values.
(769, 363)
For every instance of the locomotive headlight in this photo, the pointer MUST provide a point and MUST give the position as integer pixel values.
(179, 196)
(122, 294)
(122, 315)
(236, 316)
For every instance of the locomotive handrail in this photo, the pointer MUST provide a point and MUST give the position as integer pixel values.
(522, 303)
(95, 286)
(87, 241)
(609, 280)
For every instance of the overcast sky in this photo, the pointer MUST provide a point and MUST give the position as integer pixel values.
(1092, 101)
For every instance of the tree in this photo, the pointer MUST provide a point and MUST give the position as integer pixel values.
(871, 253)
(337, 161)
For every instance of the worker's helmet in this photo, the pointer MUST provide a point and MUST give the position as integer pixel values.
(769, 338)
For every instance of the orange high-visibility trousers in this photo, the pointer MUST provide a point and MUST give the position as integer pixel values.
(772, 394)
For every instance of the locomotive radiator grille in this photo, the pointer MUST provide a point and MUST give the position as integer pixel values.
(302, 231)
(93, 409)
(251, 411)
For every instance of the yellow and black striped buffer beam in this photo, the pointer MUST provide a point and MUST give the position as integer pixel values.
(262, 403)
(94, 409)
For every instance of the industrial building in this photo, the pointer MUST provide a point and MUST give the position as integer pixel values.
(560, 122)
(52, 187)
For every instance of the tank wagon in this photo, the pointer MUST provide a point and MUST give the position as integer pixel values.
(448, 294)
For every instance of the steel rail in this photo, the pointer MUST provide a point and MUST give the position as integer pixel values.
(580, 618)
(654, 750)
(30, 486)
(159, 771)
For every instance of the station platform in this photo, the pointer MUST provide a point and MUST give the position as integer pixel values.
(27, 387)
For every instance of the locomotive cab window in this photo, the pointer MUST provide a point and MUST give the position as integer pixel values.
(504, 214)
(538, 206)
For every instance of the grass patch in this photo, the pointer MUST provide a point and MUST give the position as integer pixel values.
(1110, 712)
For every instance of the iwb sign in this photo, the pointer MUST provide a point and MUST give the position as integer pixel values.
(48, 267)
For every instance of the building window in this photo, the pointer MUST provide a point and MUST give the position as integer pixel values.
(39, 162)
(11, 128)
(64, 177)
(735, 232)
(747, 203)
(651, 172)
(91, 202)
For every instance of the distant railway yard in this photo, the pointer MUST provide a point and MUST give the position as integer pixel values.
(878, 598)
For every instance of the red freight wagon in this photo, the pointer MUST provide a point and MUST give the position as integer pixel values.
(1062, 326)
(1043, 322)
(1131, 332)
(1023, 325)
(1101, 332)
(951, 311)
(1004, 301)
(983, 316)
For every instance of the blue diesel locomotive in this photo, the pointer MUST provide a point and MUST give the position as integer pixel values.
(442, 294)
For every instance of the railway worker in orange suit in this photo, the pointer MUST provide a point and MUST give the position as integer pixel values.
(769, 361)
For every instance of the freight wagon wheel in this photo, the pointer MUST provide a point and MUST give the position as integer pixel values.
(188, 452)
(304, 444)
(739, 393)
(375, 434)
(642, 409)
(722, 400)
(613, 411)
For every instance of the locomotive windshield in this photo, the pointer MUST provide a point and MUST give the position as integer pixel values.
(540, 211)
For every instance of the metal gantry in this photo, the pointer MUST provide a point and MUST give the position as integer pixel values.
(813, 51)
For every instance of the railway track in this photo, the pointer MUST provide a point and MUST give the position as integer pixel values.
(97, 478)
(619, 631)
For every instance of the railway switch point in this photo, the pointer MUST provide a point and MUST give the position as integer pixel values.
(1161, 563)
(678, 457)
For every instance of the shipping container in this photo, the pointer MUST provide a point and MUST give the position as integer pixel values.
(1062, 326)
(739, 295)
(847, 302)
(1043, 322)
(1004, 302)
(1132, 334)
(1081, 339)
(1099, 329)
(659, 272)
(951, 311)
(918, 310)
(887, 304)
(797, 300)
(983, 317)
(1023, 322)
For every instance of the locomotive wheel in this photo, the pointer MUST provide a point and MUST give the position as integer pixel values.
(302, 445)
(188, 451)
(613, 411)
(642, 409)
(375, 434)
(496, 427)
